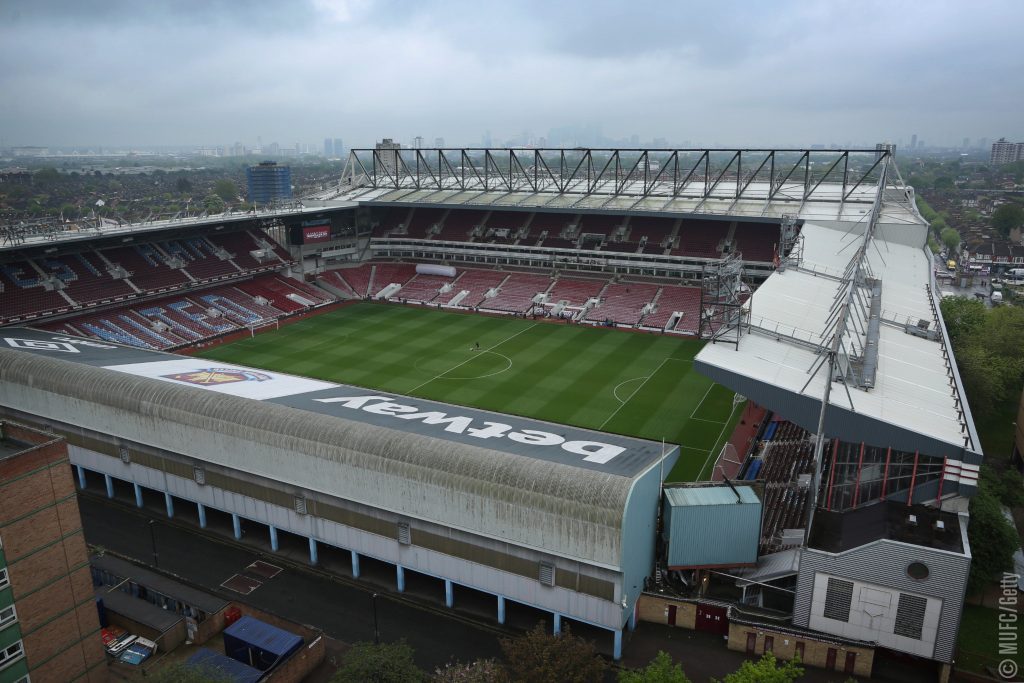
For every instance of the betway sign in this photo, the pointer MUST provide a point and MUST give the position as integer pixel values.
(319, 233)
(592, 451)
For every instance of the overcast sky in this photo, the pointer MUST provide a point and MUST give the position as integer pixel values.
(779, 72)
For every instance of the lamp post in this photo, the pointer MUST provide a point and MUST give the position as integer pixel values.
(376, 629)
(152, 538)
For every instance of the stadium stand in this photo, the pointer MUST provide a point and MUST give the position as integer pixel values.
(358, 278)
(657, 232)
(423, 288)
(459, 224)
(204, 260)
(24, 293)
(756, 241)
(390, 273)
(422, 221)
(147, 268)
(394, 220)
(701, 238)
(575, 292)
(623, 303)
(476, 283)
(673, 299)
(332, 280)
(517, 293)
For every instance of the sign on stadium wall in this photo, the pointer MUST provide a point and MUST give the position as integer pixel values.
(316, 233)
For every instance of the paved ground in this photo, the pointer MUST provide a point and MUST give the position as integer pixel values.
(343, 607)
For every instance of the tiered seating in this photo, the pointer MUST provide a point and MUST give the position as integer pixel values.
(22, 292)
(558, 243)
(674, 298)
(245, 301)
(393, 217)
(186, 318)
(203, 263)
(598, 224)
(147, 268)
(516, 294)
(476, 282)
(388, 273)
(358, 278)
(701, 238)
(458, 225)
(281, 252)
(93, 283)
(756, 241)
(422, 288)
(656, 230)
(334, 279)
(509, 220)
(783, 459)
(239, 244)
(422, 220)
(306, 290)
(575, 292)
(270, 289)
(552, 223)
(623, 303)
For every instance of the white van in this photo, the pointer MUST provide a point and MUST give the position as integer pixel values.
(997, 297)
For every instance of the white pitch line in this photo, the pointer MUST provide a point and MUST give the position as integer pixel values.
(490, 348)
(621, 405)
(711, 453)
(702, 400)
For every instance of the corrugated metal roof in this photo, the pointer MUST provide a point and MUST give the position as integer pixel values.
(709, 495)
(265, 636)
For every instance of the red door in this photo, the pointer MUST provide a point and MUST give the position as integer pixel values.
(713, 619)
(751, 642)
(851, 662)
(830, 659)
(769, 644)
(671, 615)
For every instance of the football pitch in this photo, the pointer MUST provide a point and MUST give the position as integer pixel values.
(641, 385)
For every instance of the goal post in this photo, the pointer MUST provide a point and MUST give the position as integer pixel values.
(264, 324)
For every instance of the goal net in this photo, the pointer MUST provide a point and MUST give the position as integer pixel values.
(261, 325)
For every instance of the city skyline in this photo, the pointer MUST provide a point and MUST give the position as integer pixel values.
(742, 76)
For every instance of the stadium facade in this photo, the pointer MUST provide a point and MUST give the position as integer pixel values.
(842, 336)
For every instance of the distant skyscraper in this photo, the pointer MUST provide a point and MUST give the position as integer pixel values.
(1004, 152)
(913, 141)
(339, 148)
(268, 182)
(417, 142)
(967, 143)
(328, 147)
(387, 155)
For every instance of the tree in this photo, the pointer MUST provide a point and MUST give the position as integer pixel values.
(765, 670)
(1008, 217)
(964, 318)
(661, 670)
(384, 663)
(933, 245)
(479, 671)
(183, 185)
(213, 204)
(987, 376)
(993, 539)
(46, 176)
(226, 190)
(537, 657)
(951, 238)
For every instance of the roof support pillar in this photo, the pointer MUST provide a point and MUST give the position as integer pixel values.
(169, 504)
(617, 646)
(202, 515)
(400, 578)
(558, 623)
(110, 485)
(138, 495)
(81, 476)
(501, 609)
(449, 594)
(236, 525)
(355, 565)
(312, 551)
(273, 537)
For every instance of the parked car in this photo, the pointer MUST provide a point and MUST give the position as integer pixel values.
(138, 652)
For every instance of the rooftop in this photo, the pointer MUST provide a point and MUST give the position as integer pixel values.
(837, 532)
(684, 496)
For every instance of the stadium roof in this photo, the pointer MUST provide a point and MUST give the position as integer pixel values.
(552, 487)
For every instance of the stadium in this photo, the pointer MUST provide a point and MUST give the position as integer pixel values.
(542, 375)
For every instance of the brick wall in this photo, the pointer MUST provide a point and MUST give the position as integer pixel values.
(47, 561)
(816, 652)
(657, 609)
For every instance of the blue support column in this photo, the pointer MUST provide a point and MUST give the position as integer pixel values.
(449, 593)
(617, 648)
(273, 538)
(236, 523)
(558, 623)
(312, 551)
(81, 476)
(138, 495)
(400, 577)
(355, 564)
(169, 502)
(632, 619)
(110, 485)
(501, 609)
(202, 515)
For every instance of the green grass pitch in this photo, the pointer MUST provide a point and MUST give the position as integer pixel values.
(640, 385)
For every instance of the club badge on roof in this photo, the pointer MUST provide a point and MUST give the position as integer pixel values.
(218, 376)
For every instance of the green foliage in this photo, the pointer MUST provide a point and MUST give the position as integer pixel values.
(538, 657)
(943, 182)
(964, 319)
(927, 212)
(992, 537)
(765, 670)
(933, 245)
(46, 176)
(661, 670)
(213, 204)
(384, 663)
(479, 671)
(1008, 217)
(951, 238)
(226, 190)
(179, 673)
(183, 185)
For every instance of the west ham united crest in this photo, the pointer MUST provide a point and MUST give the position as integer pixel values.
(208, 376)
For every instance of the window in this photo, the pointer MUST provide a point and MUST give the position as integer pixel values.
(4, 581)
(8, 616)
(910, 616)
(11, 654)
(837, 599)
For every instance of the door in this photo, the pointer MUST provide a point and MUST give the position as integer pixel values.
(800, 650)
(672, 615)
(751, 642)
(712, 619)
(851, 662)
(830, 659)
(769, 644)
